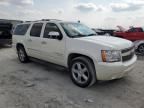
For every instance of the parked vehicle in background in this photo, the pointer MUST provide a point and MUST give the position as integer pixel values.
(107, 32)
(99, 32)
(5, 33)
(75, 46)
(134, 34)
(6, 28)
(139, 46)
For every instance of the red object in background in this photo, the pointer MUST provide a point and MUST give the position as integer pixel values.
(133, 34)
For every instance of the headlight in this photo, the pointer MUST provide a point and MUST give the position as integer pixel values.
(111, 55)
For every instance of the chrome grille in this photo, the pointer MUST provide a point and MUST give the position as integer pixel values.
(128, 53)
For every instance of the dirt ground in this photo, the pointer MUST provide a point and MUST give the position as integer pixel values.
(41, 85)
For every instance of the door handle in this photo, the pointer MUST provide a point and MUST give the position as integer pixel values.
(30, 40)
(43, 42)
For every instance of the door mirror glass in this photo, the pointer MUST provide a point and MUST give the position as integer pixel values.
(55, 35)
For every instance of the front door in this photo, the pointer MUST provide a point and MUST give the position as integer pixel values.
(53, 50)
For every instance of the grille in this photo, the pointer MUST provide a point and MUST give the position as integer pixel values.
(127, 54)
(128, 49)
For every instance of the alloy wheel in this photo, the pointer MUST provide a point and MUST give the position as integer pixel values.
(21, 55)
(141, 48)
(80, 72)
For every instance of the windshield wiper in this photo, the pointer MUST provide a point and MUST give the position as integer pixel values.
(79, 35)
(93, 34)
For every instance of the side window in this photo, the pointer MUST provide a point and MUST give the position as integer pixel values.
(36, 30)
(132, 30)
(49, 28)
(140, 30)
(21, 29)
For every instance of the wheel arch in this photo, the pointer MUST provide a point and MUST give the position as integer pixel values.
(19, 45)
(141, 44)
(138, 43)
(71, 56)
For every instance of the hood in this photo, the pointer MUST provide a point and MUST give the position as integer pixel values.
(121, 29)
(113, 42)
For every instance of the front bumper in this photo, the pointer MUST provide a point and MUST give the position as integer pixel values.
(110, 71)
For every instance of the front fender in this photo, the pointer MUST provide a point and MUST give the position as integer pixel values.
(84, 53)
(138, 42)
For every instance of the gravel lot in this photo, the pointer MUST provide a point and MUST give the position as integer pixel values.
(41, 85)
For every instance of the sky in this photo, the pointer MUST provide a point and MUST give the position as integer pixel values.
(94, 13)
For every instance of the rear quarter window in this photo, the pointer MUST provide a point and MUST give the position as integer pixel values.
(21, 29)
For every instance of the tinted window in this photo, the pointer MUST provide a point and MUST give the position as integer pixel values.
(21, 29)
(49, 28)
(140, 30)
(36, 30)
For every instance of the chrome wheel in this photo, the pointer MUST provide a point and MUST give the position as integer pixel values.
(80, 72)
(141, 48)
(21, 55)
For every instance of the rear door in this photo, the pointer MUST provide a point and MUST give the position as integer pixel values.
(33, 41)
(140, 35)
(132, 34)
(20, 34)
(137, 34)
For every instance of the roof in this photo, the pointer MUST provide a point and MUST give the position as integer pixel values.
(49, 20)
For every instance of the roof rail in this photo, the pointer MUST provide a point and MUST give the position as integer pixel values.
(50, 20)
(27, 21)
(44, 20)
(33, 21)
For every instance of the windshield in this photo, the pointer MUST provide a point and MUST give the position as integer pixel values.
(75, 30)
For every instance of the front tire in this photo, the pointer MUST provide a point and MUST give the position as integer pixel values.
(23, 58)
(141, 48)
(82, 72)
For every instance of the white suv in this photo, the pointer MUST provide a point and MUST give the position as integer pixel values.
(88, 57)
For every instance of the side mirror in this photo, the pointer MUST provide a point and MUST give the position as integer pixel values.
(55, 35)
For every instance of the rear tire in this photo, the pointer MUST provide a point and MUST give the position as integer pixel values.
(82, 72)
(23, 58)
